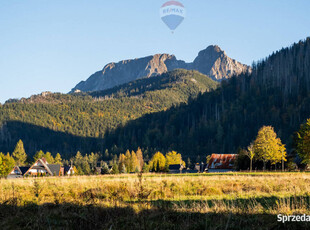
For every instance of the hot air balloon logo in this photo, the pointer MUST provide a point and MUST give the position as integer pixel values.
(172, 13)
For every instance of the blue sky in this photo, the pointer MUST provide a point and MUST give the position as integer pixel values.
(51, 45)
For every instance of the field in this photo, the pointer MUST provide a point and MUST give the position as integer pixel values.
(192, 201)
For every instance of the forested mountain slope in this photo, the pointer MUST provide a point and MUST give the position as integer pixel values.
(41, 119)
(277, 93)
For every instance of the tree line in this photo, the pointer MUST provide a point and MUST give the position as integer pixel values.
(268, 148)
(130, 162)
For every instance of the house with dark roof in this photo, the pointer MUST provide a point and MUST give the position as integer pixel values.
(18, 172)
(41, 168)
(222, 162)
(176, 168)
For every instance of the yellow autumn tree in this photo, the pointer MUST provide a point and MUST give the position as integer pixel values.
(128, 161)
(174, 158)
(158, 162)
(122, 163)
(268, 147)
(134, 162)
(140, 159)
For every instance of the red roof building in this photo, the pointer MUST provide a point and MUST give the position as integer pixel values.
(222, 161)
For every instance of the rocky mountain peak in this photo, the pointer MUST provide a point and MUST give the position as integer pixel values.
(212, 61)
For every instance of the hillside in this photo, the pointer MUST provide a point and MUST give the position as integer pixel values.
(277, 93)
(77, 120)
(212, 62)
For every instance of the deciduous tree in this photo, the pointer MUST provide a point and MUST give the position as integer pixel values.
(158, 162)
(140, 158)
(251, 153)
(173, 158)
(269, 147)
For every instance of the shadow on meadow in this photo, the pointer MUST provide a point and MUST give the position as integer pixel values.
(159, 215)
(265, 203)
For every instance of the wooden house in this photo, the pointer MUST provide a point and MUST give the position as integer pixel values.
(18, 172)
(42, 168)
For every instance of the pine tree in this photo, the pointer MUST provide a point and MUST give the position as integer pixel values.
(302, 142)
(85, 165)
(78, 159)
(58, 159)
(19, 154)
(105, 169)
(38, 155)
(49, 158)
(93, 159)
(115, 169)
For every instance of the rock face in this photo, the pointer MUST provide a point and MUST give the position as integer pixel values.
(216, 64)
(211, 61)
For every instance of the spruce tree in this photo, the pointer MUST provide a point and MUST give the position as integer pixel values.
(38, 155)
(302, 142)
(19, 154)
(49, 158)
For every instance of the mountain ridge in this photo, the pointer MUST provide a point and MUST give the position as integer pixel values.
(211, 61)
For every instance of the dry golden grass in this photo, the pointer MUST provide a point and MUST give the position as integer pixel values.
(237, 194)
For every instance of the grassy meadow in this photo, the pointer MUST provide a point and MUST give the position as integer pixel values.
(151, 201)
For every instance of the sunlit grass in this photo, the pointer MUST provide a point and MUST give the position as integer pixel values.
(235, 193)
